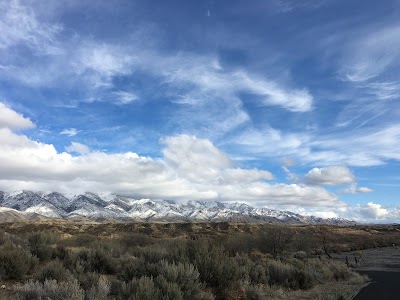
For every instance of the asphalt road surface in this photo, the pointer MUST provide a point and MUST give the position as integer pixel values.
(384, 285)
(382, 266)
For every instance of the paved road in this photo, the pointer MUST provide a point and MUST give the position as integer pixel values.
(384, 285)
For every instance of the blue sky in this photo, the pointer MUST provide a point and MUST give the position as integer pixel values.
(286, 104)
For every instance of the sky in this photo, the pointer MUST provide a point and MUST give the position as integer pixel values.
(285, 104)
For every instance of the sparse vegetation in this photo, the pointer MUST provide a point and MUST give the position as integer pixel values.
(181, 261)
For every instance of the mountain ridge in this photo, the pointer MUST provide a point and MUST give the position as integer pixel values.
(91, 206)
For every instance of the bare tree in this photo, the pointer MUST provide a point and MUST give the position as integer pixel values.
(325, 236)
(277, 238)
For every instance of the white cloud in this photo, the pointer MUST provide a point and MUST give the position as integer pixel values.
(354, 189)
(208, 79)
(370, 211)
(99, 63)
(369, 146)
(364, 190)
(89, 66)
(70, 132)
(200, 151)
(78, 148)
(125, 97)
(13, 120)
(200, 161)
(19, 25)
(105, 59)
(363, 213)
(211, 96)
(290, 175)
(191, 168)
(298, 100)
(272, 142)
(384, 90)
(372, 54)
(333, 175)
(320, 211)
(240, 176)
(288, 6)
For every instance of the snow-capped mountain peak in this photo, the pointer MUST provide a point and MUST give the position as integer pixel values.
(91, 205)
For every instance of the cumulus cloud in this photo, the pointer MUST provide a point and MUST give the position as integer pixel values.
(190, 168)
(13, 120)
(370, 211)
(197, 158)
(78, 148)
(200, 161)
(333, 175)
(354, 189)
(70, 132)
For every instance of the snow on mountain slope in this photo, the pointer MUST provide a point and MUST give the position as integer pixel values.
(2, 194)
(22, 200)
(93, 206)
(4, 209)
(57, 199)
(45, 210)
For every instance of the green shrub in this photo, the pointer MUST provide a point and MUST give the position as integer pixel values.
(280, 273)
(60, 252)
(258, 274)
(50, 289)
(102, 262)
(3, 237)
(117, 288)
(302, 255)
(143, 288)
(87, 280)
(132, 267)
(170, 290)
(288, 276)
(152, 254)
(340, 271)
(40, 245)
(53, 270)
(79, 240)
(100, 291)
(92, 260)
(15, 262)
(131, 240)
(251, 271)
(217, 270)
(236, 266)
(185, 276)
(255, 292)
(240, 243)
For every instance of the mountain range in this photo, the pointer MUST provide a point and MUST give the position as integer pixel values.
(28, 205)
